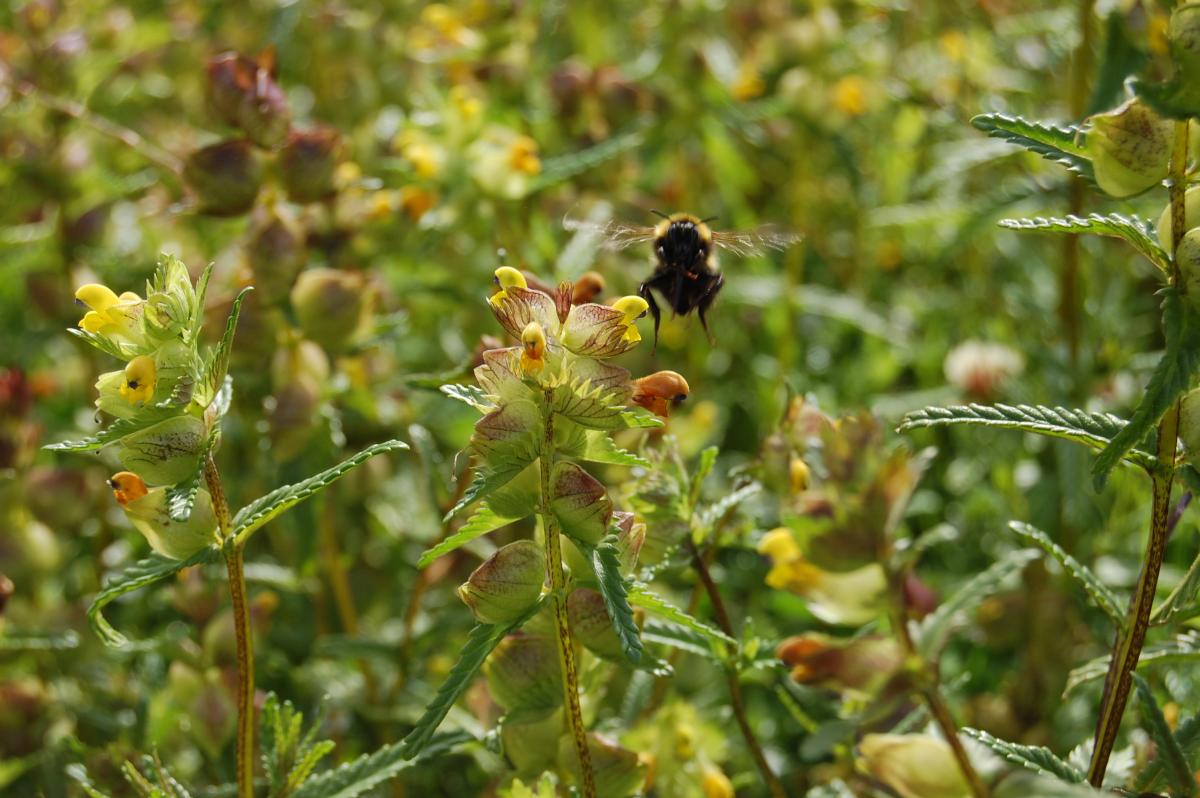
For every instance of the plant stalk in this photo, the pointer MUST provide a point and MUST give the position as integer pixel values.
(736, 700)
(235, 565)
(562, 625)
(927, 685)
(1128, 646)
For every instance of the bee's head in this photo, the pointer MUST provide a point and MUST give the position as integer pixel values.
(683, 241)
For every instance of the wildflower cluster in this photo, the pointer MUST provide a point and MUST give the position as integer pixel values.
(165, 404)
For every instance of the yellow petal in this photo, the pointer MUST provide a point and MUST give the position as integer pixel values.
(140, 378)
(97, 297)
(92, 322)
(779, 545)
(634, 307)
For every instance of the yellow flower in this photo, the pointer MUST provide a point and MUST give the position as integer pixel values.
(110, 315)
(464, 101)
(716, 784)
(850, 95)
(533, 356)
(127, 486)
(849, 597)
(140, 379)
(507, 277)
(416, 201)
(634, 307)
(523, 155)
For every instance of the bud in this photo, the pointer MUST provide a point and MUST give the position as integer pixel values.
(660, 391)
(1187, 255)
(243, 93)
(165, 453)
(1130, 148)
(308, 163)
(591, 624)
(579, 503)
(862, 665)
(506, 584)
(1191, 217)
(276, 251)
(589, 286)
(716, 784)
(618, 771)
(532, 745)
(147, 510)
(980, 369)
(292, 417)
(630, 539)
(913, 765)
(225, 177)
(331, 305)
(523, 673)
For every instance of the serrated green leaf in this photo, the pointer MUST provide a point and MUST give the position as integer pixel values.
(482, 521)
(262, 510)
(201, 294)
(1055, 143)
(711, 515)
(487, 480)
(366, 772)
(481, 641)
(24, 640)
(79, 775)
(1091, 584)
(936, 628)
(640, 595)
(1183, 648)
(1032, 757)
(1131, 229)
(1171, 378)
(115, 431)
(559, 168)
(142, 573)
(588, 405)
(472, 395)
(678, 637)
(1187, 738)
(181, 497)
(599, 447)
(1182, 599)
(1175, 763)
(218, 360)
(106, 345)
(607, 568)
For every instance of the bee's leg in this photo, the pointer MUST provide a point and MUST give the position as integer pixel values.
(710, 293)
(644, 291)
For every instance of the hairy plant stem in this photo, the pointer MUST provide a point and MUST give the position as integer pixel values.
(927, 678)
(1128, 646)
(562, 625)
(731, 676)
(235, 565)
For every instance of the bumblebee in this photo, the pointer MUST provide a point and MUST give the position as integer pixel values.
(686, 274)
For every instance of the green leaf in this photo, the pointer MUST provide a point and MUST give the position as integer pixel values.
(1032, 757)
(1132, 230)
(1172, 377)
(936, 628)
(487, 480)
(1029, 785)
(1187, 738)
(147, 417)
(1177, 98)
(1091, 429)
(260, 511)
(472, 395)
(181, 497)
(1181, 649)
(640, 595)
(1053, 142)
(218, 361)
(366, 772)
(1179, 774)
(142, 573)
(678, 637)
(588, 405)
(1091, 584)
(704, 467)
(481, 641)
(712, 515)
(599, 447)
(607, 568)
(482, 521)
(201, 294)
(79, 775)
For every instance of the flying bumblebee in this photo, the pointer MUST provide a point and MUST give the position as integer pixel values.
(685, 274)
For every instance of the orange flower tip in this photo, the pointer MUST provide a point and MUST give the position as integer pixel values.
(127, 487)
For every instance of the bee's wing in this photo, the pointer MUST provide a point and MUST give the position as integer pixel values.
(615, 234)
(755, 242)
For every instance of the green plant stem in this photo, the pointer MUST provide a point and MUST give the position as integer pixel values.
(1068, 294)
(235, 565)
(339, 585)
(562, 625)
(1128, 646)
(731, 676)
(926, 678)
